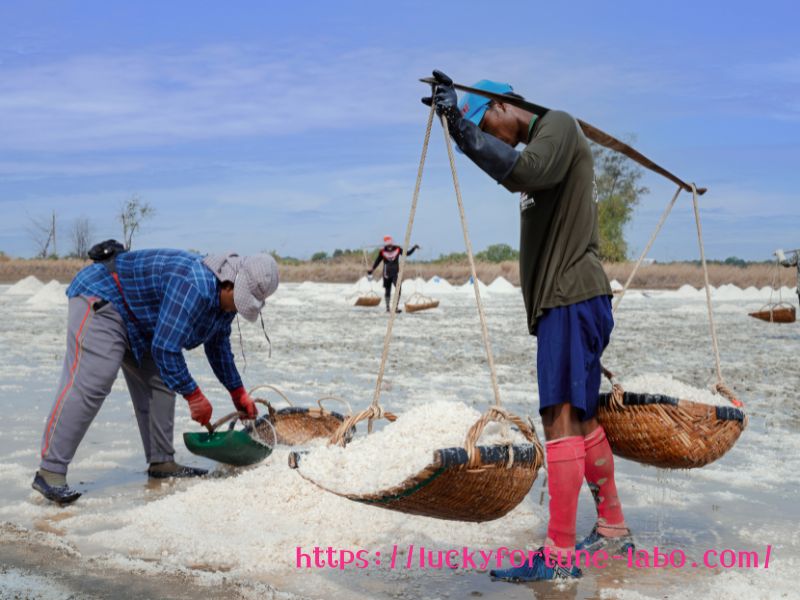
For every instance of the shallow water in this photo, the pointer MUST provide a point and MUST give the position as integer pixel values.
(323, 346)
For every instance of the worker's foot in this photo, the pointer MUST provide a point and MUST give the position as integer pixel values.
(536, 569)
(164, 470)
(613, 544)
(53, 486)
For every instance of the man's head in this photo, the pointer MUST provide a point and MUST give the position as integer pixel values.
(504, 121)
(388, 240)
(245, 282)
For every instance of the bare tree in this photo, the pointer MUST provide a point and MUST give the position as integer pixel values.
(42, 231)
(132, 212)
(81, 234)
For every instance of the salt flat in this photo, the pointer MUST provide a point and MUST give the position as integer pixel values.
(248, 524)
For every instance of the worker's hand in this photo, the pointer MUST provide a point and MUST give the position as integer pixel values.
(199, 406)
(444, 98)
(416, 247)
(369, 272)
(781, 256)
(244, 403)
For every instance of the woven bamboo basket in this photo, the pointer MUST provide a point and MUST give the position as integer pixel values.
(470, 483)
(368, 299)
(776, 313)
(295, 426)
(418, 302)
(668, 432)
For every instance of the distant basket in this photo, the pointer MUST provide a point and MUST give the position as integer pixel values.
(418, 302)
(776, 313)
(472, 483)
(368, 299)
(295, 426)
(667, 432)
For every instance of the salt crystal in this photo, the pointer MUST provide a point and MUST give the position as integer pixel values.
(666, 385)
(402, 449)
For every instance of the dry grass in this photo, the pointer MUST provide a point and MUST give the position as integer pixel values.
(656, 276)
(63, 270)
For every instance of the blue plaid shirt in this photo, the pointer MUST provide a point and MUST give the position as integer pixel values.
(172, 303)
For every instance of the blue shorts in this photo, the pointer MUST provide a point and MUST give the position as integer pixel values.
(571, 340)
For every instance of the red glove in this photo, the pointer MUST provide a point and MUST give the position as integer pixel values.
(199, 406)
(244, 403)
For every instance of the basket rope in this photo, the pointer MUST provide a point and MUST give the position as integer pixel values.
(375, 411)
(484, 330)
(719, 387)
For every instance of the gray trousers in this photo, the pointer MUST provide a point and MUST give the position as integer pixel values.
(97, 346)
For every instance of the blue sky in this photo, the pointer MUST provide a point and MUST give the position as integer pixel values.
(297, 127)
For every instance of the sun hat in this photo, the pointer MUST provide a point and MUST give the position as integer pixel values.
(254, 279)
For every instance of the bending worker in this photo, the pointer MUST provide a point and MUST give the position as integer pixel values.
(567, 298)
(792, 261)
(390, 255)
(138, 311)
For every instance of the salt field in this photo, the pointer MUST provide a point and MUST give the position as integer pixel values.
(236, 533)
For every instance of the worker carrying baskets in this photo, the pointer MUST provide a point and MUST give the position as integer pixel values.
(566, 293)
(390, 256)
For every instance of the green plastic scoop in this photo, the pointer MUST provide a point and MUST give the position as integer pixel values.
(237, 447)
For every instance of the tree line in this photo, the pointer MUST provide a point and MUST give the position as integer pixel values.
(45, 231)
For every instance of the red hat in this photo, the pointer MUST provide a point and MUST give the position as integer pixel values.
(387, 239)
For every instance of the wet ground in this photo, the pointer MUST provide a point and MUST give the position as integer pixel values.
(321, 346)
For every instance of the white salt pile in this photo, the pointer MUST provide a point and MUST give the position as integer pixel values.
(252, 523)
(616, 286)
(503, 286)
(51, 295)
(439, 284)
(418, 284)
(26, 287)
(687, 291)
(751, 293)
(469, 287)
(728, 292)
(362, 286)
(666, 385)
(400, 450)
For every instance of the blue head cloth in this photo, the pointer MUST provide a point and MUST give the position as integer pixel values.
(473, 106)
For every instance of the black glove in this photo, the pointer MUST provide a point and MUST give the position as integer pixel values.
(495, 157)
(444, 99)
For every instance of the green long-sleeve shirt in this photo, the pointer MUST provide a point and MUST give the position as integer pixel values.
(559, 237)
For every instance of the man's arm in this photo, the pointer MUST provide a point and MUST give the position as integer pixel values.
(220, 357)
(545, 161)
(181, 305)
(411, 250)
(378, 260)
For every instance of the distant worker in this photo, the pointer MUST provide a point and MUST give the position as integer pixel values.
(390, 255)
(137, 311)
(792, 261)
